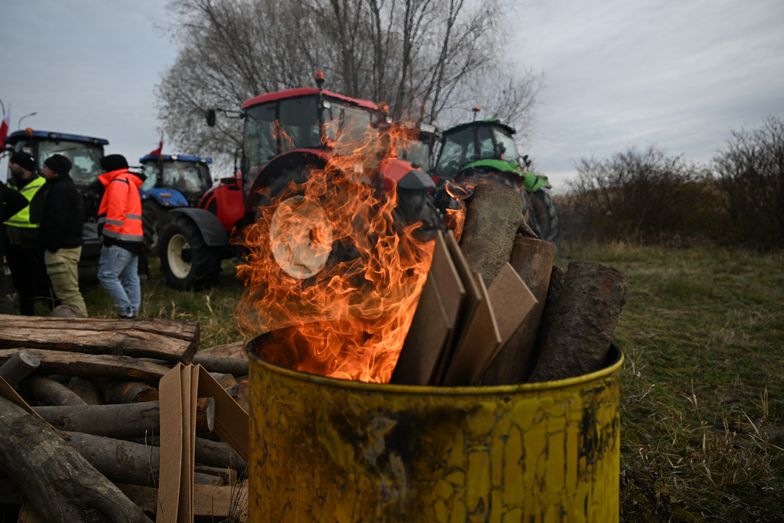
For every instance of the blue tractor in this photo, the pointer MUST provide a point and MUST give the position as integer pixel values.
(172, 181)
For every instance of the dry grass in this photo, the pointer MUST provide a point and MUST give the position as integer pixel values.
(703, 392)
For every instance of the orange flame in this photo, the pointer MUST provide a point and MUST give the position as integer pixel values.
(331, 272)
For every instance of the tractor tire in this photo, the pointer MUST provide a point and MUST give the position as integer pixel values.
(301, 257)
(542, 215)
(154, 220)
(187, 262)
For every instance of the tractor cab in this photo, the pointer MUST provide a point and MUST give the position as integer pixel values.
(171, 181)
(473, 150)
(418, 145)
(301, 119)
(85, 153)
(175, 180)
(475, 145)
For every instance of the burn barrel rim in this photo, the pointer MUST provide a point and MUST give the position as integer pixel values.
(615, 357)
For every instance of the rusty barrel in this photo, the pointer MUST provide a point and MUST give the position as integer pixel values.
(332, 450)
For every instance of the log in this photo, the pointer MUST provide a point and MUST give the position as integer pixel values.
(203, 478)
(18, 367)
(129, 392)
(56, 479)
(578, 328)
(225, 380)
(162, 339)
(86, 389)
(241, 393)
(92, 365)
(228, 475)
(119, 460)
(123, 420)
(208, 500)
(50, 392)
(208, 452)
(235, 366)
(235, 349)
(494, 214)
(533, 261)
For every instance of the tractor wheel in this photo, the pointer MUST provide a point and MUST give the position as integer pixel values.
(154, 220)
(542, 215)
(187, 262)
(301, 236)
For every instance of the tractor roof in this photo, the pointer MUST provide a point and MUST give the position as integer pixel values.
(175, 158)
(306, 91)
(17, 136)
(490, 122)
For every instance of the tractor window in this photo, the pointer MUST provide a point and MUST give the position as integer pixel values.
(190, 178)
(347, 126)
(506, 145)
(485, 141)
(299, 125)
(85, 158)
(457, 150)
(150, 170)
(260, 144)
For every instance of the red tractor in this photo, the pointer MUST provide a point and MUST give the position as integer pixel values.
(287, 135)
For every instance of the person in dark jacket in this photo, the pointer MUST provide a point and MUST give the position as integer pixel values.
(24, 253)
(61, 232)
(11, 202)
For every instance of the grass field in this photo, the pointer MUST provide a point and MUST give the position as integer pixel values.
(703, 385)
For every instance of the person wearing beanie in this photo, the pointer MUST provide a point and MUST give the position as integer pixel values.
(61, 232)
(120, 226)
(24, 252)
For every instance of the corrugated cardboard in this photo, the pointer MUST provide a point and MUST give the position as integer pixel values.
(434, 321)
(511, 302)
(478, 340)
(179, 390)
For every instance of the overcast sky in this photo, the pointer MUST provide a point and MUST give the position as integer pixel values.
(678, 74)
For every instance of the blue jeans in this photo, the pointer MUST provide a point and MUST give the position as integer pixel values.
(118, 274)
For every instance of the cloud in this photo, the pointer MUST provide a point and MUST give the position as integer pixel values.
(676, 74)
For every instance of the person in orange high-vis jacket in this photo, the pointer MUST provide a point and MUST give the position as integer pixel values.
(120, 223)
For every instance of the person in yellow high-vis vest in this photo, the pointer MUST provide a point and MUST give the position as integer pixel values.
(24, 251)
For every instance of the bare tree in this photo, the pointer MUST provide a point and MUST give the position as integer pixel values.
(430, 60)
(750, 173)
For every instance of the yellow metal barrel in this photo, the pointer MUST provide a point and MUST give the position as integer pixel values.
(332, 450)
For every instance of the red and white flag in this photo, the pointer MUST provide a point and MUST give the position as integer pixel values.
(159, 150)
(4, 125)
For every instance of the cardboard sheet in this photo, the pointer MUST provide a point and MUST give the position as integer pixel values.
(179, 390)
(479, 339)
(434, 321)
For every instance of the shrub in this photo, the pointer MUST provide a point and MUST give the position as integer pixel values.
(641, 196)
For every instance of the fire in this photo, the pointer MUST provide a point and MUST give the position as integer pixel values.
(331, 276)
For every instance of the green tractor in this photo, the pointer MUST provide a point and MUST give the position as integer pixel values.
(470, 151)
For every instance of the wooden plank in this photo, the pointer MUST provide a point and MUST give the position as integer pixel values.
(97, 365)
(167, 340)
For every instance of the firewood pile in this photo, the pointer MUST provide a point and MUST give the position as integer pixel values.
(495, 310)
(81, 418)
